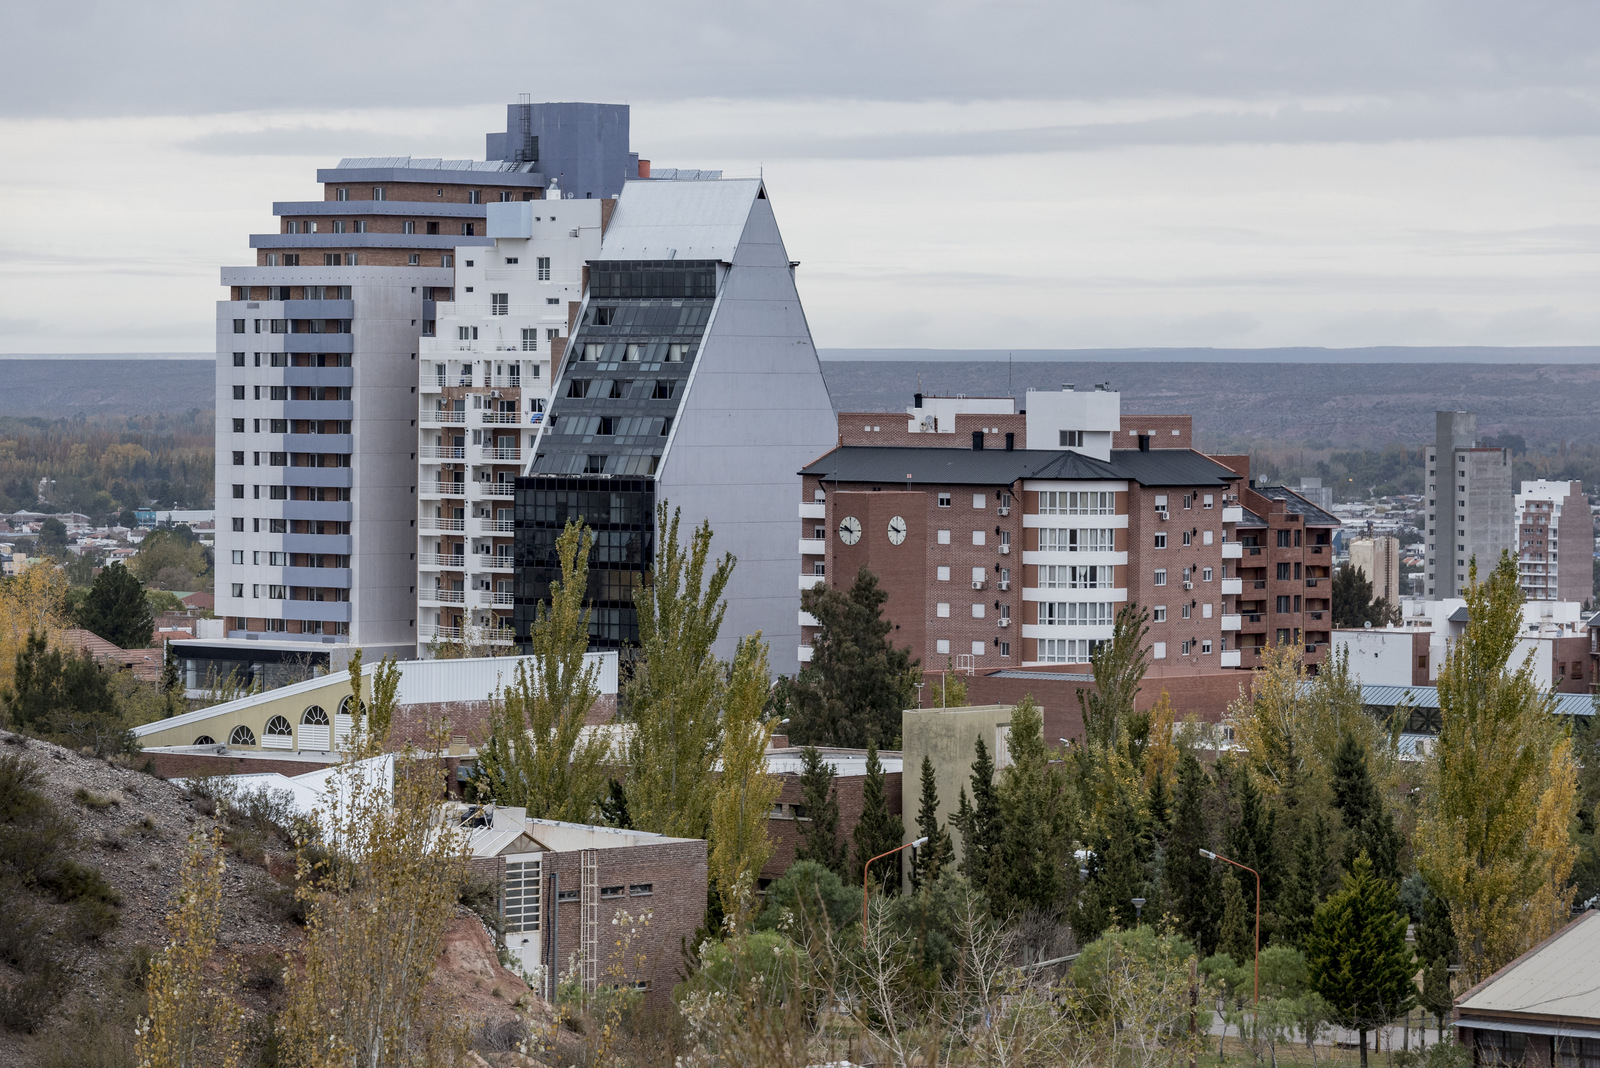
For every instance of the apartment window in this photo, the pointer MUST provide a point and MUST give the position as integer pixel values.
(238, 359)
(281, 560)
(330, 259)
(1205, 645)
(446, 259)
(1076, 502)
(942, 646)
(1160, 577)
(1072, 439)
(1285, 603)
(1158, 614)
(1188, 500)
(1077, 540)
(378, 193)
(238, 426)
(1161, 541)
(238, 326)
(291, 259)
(238, 393)
(942, 610)
(499, 304)
(1283, 568)
(551, 333)
(474, 196)
(277, 459)
(977, 611)
(238, 459)
(530, 338)
(338, 226)
(944, 500)
(1205, 502)
(352, 259)
(278, 393)
(943, 537)
(1284, 540)
(977, 648)
(238, 524)
(238, 491)
(341, 194)
(1188, 538)
(468, 230)
(1184, 611)
(944, 574)
(238, 589)
(466, 333)
(238, 556)
(979, 501)
(413, 260)
(544, 268)
(278, 493)
(281, 426)
(1005, 648)
(1183, 648)
(1076, 614)
(1205, 574)
(1205, 537)
(1158, 651)
(277, 526)
(979, 538)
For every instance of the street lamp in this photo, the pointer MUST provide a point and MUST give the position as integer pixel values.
(1138, 911)
(867, 867)
(1218, 856)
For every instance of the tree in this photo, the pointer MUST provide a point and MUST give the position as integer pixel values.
(1436, 950)
(1306, 885)
(1118, 667)
(1357, 954)
(744, 789)
(1352, 597)
(1192, 887)
(1368, 823)
(66, 699)
(537, 755)
(1031, 852)
(819, 833)
(192, 1019)
(171, 558)
(1237, 937)
(938, 854)
(877, 831)
(171, 680)
(116, 609)
(857, 683)
(675, 693)
(34, 601)
(53, 537)
(1492, 836)
(980, 822)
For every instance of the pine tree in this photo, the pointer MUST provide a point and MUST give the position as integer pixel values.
(1193, 890)
(1306, 884)
(1033, 848)
(819, 832)
(116, 609)
(1436, 949)
(979, 821)
(1252, 841)
(878, 831)
(1357, 954)
(937, 855)
(1238, 935)
(1369, 825)
(1119, 849)
(1159, 806)
(852, 691)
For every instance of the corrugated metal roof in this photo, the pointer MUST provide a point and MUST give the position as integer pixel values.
(1567, 704)
(1559, 978)
(1045, 676)
(990, 467)
(696, 220)
(1460, 615)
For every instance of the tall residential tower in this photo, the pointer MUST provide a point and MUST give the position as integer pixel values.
(1469, 509)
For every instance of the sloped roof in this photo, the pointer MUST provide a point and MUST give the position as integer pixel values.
(693, 220)
(1559, 978)
(1298, 505)
(1170, 467)
(911, 464)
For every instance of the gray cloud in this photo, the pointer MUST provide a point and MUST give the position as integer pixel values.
(330, 143)
(189, 56)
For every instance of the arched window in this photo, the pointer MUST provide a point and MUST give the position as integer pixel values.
(344, 722)
(349, 706)
(279, 734)
(242, 735)
(314, 728)
(205, 739)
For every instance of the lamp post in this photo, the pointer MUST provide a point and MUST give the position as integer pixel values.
(867, 868)
(1138, 911)
(1209, 855)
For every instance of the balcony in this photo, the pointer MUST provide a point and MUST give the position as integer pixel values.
(1252, 550)
(434, 630)
(1232, 550)
(1311, 582)
(808, 620)
(813, 546)
(1232, 513)
(808, 582)
(1258, 584)
(491, 453)
(493, 598)
(441, 560)
(805, 654)
(494, 562)
(1229, 658)
(433, 522)
(1253, 618)
(512, 418)
(1232, 585)
(436, 417)
(1316, 615)
(813, 510)
(442, 489)
(1231, 622)
(494, 489)
(442, 452)
(495, 526)
(437, 596)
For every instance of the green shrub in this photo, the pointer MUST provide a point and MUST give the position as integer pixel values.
(28, 1003)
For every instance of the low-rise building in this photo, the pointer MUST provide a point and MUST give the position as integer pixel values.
(850, 776)
(1541, 1009)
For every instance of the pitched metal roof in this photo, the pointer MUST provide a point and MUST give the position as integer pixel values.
(904, 465)
(1558, 978)
(692, 220)
(1298, 505)
(1043, 676)
(1566, 704)
(1250, 519)
(1460, 615)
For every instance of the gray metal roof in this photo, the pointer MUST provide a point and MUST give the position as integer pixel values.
(1043, 676)
(1298, 505)
(1560, 977)
(1250, 519)
(690, 220)
(425, 163)
(1566, 704)
(903, 465)
(1460, 615)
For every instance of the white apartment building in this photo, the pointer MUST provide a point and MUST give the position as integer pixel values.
(1469, 507)
(484, 388)
(1548, 514)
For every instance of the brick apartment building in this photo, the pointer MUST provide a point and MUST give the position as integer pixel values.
(1550, 514)
(1007, 540)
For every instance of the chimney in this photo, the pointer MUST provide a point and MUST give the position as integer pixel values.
(1011, 441)
(977, 441)
(1144, 442)
(916, 400)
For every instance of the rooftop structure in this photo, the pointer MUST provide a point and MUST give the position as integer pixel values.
(1543, 1007)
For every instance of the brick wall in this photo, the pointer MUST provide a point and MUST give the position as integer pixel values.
(785, 832)
(890, 429)
(183, 765)
(429, 192)
(676, 873)
(1205, 696)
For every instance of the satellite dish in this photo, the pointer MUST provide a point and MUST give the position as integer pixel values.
(1368, 624)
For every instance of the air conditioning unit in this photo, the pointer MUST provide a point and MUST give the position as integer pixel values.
(1188, 585)
(1005, 621)
(1161, 513)
(1005, 584)
(1005, 550)
(495, 393)
(1004, 509)
(977, 584)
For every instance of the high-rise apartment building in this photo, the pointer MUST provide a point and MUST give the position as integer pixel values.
(317, 378)
(1378, 558)
(690, 379)
(1469, 505)
(485, 386)
(1555, 541)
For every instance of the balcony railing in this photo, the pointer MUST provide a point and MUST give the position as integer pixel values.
(496, 561)
(492, 453)
(440, 560)
(442, 452)
(497, 489)
(502, 417)
(444, 489)
(497, 526)
(434, 630)
(435, 415)
(433, 522)
(445, 596)
(491, 597)
(1258, 584)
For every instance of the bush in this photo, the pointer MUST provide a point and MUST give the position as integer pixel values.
(98, 802)
(26, 1004)
(811, 896)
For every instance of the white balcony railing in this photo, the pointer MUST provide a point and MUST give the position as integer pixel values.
(497, 526)
(492, 597)
(494, 562)
(1232, 586)
(443, 489)
(434, 630)
(442, 452)
(492, 453)
(440, 560)
(437, 596)
(494, 489)
(433, 522)
(813, 546)
(813, 510)
(436, 416)
(1232, 513)
(809, 581)
(1231, 622)
(502, 417)
(1232, 550)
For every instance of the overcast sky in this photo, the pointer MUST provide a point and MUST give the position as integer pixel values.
(1051, 174)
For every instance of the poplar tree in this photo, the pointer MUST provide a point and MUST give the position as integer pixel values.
(745, 790)
(932, 859)
(537, 755)
(819, 833)
(878, 830)
(1118, 667)
(675, 692)
(1492, 838)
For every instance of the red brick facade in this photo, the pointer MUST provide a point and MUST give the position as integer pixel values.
(784, 830)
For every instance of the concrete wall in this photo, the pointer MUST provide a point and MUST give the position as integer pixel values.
(1379, 657)
(948, 737)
